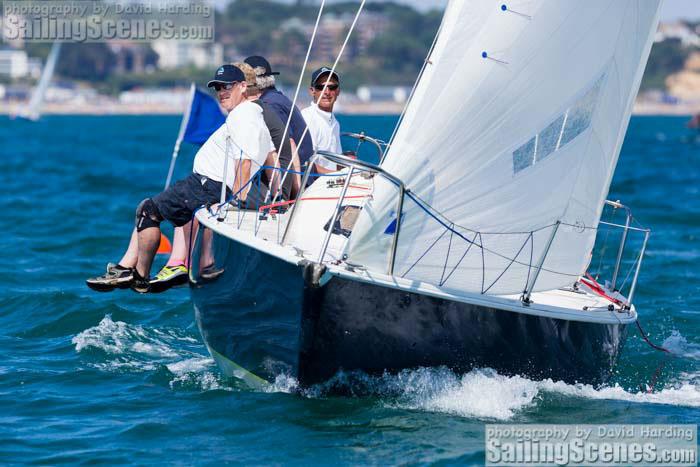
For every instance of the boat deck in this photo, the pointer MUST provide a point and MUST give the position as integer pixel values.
(265, 234)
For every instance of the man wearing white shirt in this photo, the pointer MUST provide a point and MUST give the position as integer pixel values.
(322, 125)
(243, 138)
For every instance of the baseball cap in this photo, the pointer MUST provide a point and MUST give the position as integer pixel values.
(227, 74)
(257, 61)
(322, 71)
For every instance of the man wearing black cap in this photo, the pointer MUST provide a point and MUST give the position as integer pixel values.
(281, 104)
(324, 129)
(243, 138)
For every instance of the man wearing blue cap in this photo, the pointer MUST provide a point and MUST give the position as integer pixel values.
(324, 128)
(244, 138)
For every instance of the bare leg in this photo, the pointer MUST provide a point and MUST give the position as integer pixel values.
(181, 244)
(206, 258)
(131, 255)
(178, 255)
(148, 241)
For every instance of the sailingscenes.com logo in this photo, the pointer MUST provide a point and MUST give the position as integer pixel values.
(591, 445)
(93, 21)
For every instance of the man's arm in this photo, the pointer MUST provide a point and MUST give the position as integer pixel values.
(242, 178)
(296, 166)
(273, 161)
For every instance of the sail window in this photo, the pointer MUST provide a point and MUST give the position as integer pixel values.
(564, 129)
(523, 157)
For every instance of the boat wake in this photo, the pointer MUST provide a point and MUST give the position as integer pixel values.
(116, 346)
(483, 393)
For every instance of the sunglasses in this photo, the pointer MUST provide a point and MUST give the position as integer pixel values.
(330, 87)
(226, 86)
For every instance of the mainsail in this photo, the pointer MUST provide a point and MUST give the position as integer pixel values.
(511, 137)
(33, 112)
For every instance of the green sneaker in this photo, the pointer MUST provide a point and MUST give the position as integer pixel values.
(169, 276)
(117, 277)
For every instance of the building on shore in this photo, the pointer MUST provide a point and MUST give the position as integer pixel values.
(178, 54)
(16, 64)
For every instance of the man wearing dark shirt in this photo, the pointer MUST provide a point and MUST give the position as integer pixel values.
(281, 104)
(276, 128)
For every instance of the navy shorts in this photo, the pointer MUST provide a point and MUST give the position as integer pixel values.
(178, 203)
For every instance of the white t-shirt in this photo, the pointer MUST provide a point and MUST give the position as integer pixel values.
(250, 139)
(325, 133)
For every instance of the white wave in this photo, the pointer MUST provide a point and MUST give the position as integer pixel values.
(482, 393)
(133, 348)
(679, 346)
(485, 394)
(477, 394)
(684, 394)
(118, 337)
(283, 383)
(195, 372)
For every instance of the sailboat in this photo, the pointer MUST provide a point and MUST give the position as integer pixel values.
(33, 110)
(469, 245)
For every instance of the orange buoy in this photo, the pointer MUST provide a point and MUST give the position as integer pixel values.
(165, 247)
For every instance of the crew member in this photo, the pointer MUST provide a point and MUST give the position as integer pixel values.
(243, 137)
(324, 128)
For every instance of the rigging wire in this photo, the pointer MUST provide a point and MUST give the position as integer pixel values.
(426, 62)
(325, 86)
(296, 94)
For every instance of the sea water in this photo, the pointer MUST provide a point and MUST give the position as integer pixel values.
(120, 377)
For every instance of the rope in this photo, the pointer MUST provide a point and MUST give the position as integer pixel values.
(646, 339)
(313, 198)
(335, 64)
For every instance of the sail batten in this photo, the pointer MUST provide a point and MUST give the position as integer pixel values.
(515, 125)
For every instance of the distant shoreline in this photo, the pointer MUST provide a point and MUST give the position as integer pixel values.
(389, 108)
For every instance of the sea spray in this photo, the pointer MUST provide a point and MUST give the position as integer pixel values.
(679, 346)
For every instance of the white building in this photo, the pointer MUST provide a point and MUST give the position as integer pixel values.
(176, 97)
(177, 54)
(14, 63)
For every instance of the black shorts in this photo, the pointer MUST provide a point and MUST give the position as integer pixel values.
(178, 203)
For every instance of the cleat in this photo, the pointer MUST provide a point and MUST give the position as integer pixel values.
(116, 277)
(169, 276)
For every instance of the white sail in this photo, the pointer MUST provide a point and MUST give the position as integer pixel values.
(33, 111)
(515, 125)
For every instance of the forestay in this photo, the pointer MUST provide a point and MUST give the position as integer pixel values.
(515, 124)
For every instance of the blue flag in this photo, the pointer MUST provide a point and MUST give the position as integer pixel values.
(202, 119)
(205, 117)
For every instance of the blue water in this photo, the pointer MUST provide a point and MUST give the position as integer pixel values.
(117, 378)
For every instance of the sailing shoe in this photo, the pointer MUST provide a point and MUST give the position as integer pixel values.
(140, 284)
(169, 276)
(211, 273)
(117, 277)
